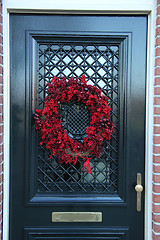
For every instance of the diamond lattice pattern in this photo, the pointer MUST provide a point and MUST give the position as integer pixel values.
(100, 64)
(75, 119)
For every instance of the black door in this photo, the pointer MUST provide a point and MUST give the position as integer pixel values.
(111, 52)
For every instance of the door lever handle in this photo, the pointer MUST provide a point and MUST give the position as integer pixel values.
(139, 189)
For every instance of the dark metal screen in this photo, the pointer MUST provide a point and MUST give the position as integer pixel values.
(75, 119)
(99, 62)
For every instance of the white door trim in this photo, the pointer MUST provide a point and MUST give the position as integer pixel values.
(83, 6)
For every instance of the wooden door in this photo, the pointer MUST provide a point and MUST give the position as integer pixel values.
(111, 52)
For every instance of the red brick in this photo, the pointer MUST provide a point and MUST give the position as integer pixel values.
(0, 6)
(156, 198)
(1, 89)
(156, 218)
(157, 81)
(1, 188)
(157, 60)
(157, 53)
(1, 159)
(157, 110)
(156, 178)
(156, 228)
(155, 237)
(158, 2)
(1, 80)
(156, 169)
(157, 41)
(1, 138)
(158, 18)
(156, 159)
(1, 129)
(156, 139)
(157, 120)
(1, 70)
(156, 130)
(1, 29)
(1, 207)
(1, 19)
(156, 188)
(1, 48)
(1, 197)
(1, 119)
(158, 10)
(1, 60)
(155, 208)
(156, 149)
(1, 148)
(157, 31)
(1, 39)
(157, 69)
(1, 111)
(1, 98)
(157, 100)
(1, 178)
(1, 167)
(157, 90)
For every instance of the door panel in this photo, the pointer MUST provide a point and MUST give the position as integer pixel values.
(79, 233)
(72, 56)
(111, 52)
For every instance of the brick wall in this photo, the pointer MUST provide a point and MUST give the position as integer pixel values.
(156, 131)
(1, 118)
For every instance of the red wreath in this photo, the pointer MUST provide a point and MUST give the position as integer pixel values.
(48, 122)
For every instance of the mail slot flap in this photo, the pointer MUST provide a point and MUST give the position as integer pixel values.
(76, 217)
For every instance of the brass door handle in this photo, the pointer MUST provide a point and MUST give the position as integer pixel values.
(139, 189)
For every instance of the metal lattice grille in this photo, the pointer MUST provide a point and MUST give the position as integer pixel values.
(75, 119)
(100, 64)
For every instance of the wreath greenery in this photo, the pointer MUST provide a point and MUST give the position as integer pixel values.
(56, 139)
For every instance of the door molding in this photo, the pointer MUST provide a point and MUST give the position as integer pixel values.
(100, 233)
(33, 38)
(120, 7)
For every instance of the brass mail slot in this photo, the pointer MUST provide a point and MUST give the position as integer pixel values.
(76, 217)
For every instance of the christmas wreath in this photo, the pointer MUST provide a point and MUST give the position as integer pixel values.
(48, 121)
